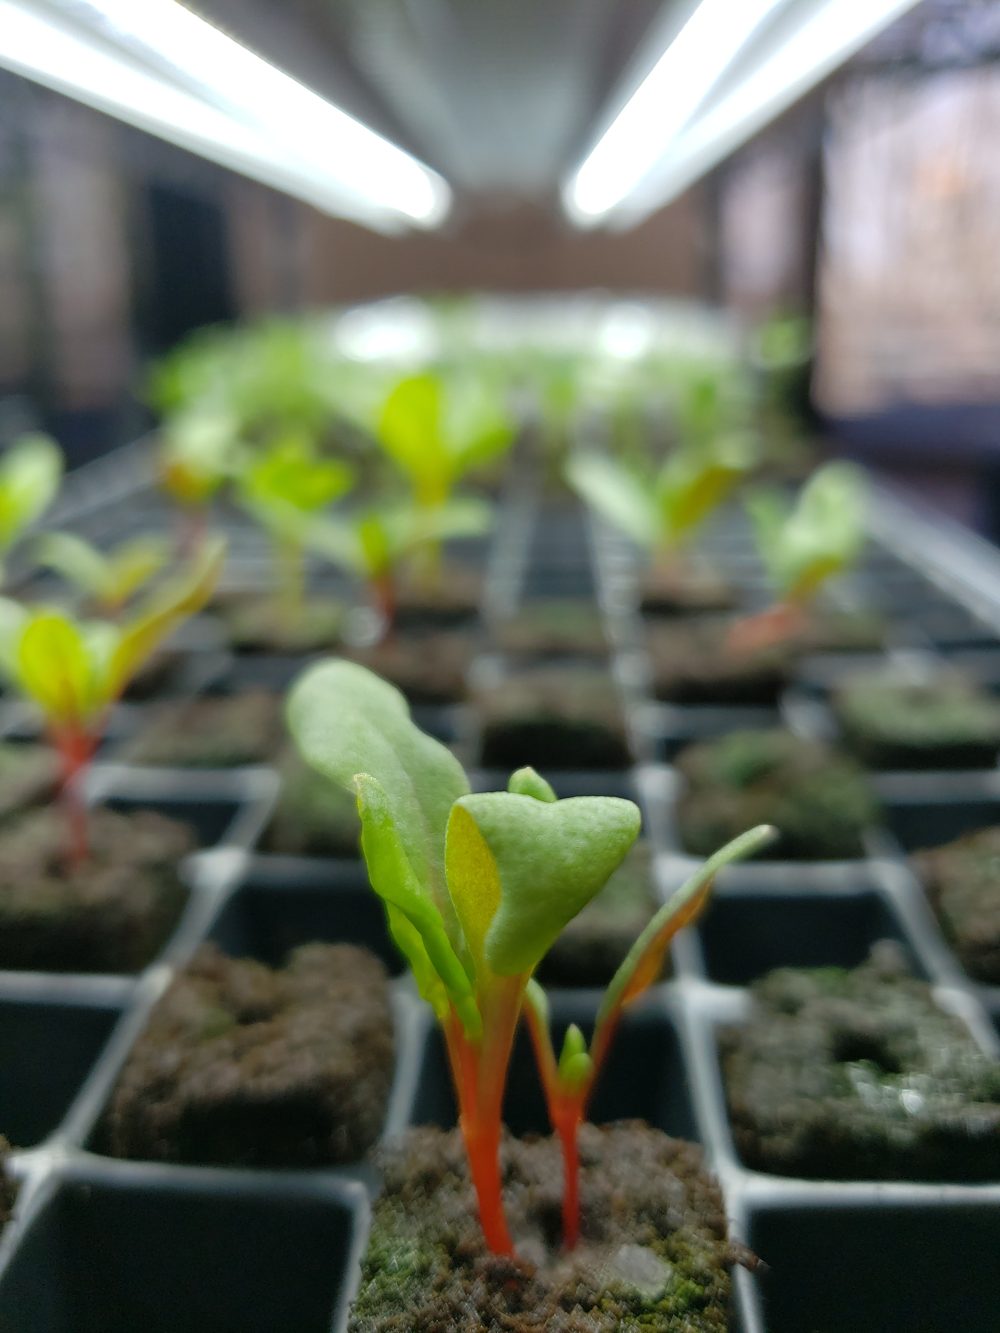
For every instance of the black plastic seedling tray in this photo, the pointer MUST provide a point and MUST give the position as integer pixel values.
(99, 1245)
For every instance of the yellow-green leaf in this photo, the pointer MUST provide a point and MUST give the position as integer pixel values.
(519, 869)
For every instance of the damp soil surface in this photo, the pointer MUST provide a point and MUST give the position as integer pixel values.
(246, 1065)
(113, 913)
(693, 664)
(313, 816)
(653, 1253)
(553, 719)
(681, 592)
(860, 1075)
(820, 802)
(453, 598)
(155, 677)
(553, 627)
(263, 625)
(594, 944)
(944, 723)
(962, 880)
(428, 668)
(29, 774)
(215, 731)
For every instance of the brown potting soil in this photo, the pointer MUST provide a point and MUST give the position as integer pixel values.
(110, 914)
(216, 731)
(962, 880)
(246, 1065)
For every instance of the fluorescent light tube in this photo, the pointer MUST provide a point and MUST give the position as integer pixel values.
(700, 53)
(159, 66)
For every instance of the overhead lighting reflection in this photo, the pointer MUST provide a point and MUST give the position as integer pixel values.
(157, 65)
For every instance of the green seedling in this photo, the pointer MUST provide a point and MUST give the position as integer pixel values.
(74, 670)
(30, 473)
(476, 888)
(374, 543)
(286, 487)
(198, 449)
(435, 430)
(569, 1080)
(109, 579)
(802, 546)
(662, 512)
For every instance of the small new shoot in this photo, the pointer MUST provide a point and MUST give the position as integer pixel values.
(74, 670)
(286, 487)
(109, 579)
(30, 473)
(569, 1079)
(803, 545)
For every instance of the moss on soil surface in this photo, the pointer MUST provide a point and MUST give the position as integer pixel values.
(217, 731)
(260, 625)
(946, 723)
(553, 627)
(692, 664)
(860, 1075)
(313, 817)
(592, 946)
(553, 719)
(653, 1253)
(245, 1065)
(819, 801)
(429, 668)
(962, 880)
(112, 914)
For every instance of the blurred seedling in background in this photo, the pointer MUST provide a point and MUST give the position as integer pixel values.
(30, 473)
(197, 454)
(376, 542)
(569, 1079)
(73, 670)
(436, 429)
(108, 579)
(286, 486)
(476, 887)
(662, 510)
(803, 544)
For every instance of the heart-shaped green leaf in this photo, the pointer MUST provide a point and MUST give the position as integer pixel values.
(519, 869)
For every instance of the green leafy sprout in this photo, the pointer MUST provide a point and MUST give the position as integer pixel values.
(662, 512)
(803, 544)
(109, 579)
(476, 887)
(286, 487)
(30, 473)
(435, 429)
(73, 670)
(569, 1079)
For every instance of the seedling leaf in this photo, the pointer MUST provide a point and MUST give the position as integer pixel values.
(519, 869)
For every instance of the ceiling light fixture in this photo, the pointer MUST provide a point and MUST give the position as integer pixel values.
(159, 66)
(807, 40)
(696, 57)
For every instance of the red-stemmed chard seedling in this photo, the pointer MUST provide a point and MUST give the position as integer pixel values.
(802, 546)
(476, 887)
(74, 670)
(569, 1080)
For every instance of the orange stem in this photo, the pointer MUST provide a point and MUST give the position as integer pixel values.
(383, 589)
(75, 750)
(479, 1072)
(767, 628)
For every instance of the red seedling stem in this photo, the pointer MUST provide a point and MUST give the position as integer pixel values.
(383, 589)
(75, 748)
(767, 629)
(479, 1072)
